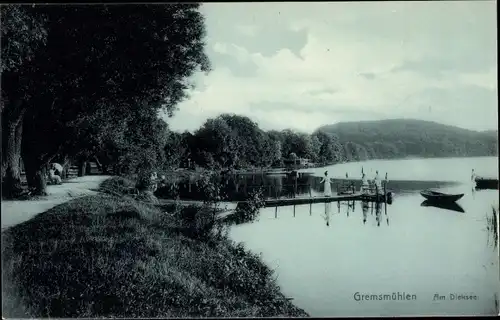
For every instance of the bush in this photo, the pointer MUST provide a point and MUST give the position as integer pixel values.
(146, 196)
(118, 186)
(247, 211)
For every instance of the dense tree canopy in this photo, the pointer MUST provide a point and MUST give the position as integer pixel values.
(93, 75)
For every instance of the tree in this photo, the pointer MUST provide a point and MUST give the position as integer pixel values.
(252, 140)
(274, 152)
(315, 148)
(326, 153)
(271, 153)
(176, 149)
(22, 33)
(115, 58)
(218, 143)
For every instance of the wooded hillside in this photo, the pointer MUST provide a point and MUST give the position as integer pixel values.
(400, 138)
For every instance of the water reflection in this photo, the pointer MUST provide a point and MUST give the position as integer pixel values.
(453, 206)
(238, 186)
(377, 208)
(326, 216)
(365, 206)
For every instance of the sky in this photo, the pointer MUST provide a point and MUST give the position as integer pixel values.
(303, 65)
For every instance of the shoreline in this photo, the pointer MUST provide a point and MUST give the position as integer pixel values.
(112, 228)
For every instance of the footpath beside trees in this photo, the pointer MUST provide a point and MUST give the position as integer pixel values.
(93, 77)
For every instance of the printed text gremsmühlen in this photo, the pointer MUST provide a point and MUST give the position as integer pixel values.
(394, 296)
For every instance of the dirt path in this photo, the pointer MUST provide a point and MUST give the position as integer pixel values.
(14, 212)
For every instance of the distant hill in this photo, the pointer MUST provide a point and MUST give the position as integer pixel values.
(401, 138)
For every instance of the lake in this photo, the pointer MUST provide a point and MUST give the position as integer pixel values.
(326, 256)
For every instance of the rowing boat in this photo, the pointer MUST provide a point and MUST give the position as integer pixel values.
(440, 197)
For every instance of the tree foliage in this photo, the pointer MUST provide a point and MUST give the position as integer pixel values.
(400, 138)
(241, 140)
(99, 77)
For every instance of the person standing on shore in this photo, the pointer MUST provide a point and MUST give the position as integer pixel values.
(364, 184)
(328, 188)
(473, 180)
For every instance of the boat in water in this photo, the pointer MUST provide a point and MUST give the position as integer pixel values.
(486, 183)
(435, 196)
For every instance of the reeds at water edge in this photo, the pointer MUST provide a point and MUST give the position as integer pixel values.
(492, 226)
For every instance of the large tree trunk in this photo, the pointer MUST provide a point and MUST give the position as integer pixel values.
(82, 167)
(88, 168)
(66, 164)
(11, 153)
(100, 166)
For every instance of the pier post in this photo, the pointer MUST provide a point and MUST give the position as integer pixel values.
(310, 208)
(294, 211)
(295, 188)
(385, 191)
(276, 212)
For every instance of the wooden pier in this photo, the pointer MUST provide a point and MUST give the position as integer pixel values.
(325, 199)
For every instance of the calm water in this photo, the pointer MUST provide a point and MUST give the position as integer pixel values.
(404, 247)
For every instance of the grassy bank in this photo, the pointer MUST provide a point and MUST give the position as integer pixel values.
(110, 256)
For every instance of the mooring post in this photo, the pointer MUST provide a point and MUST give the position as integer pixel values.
(294, 211)
(385, 191)
(276, 212)
(310, 208)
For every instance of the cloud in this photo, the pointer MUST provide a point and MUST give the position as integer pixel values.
(248, 30)
(309, 65)
(368, 75)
